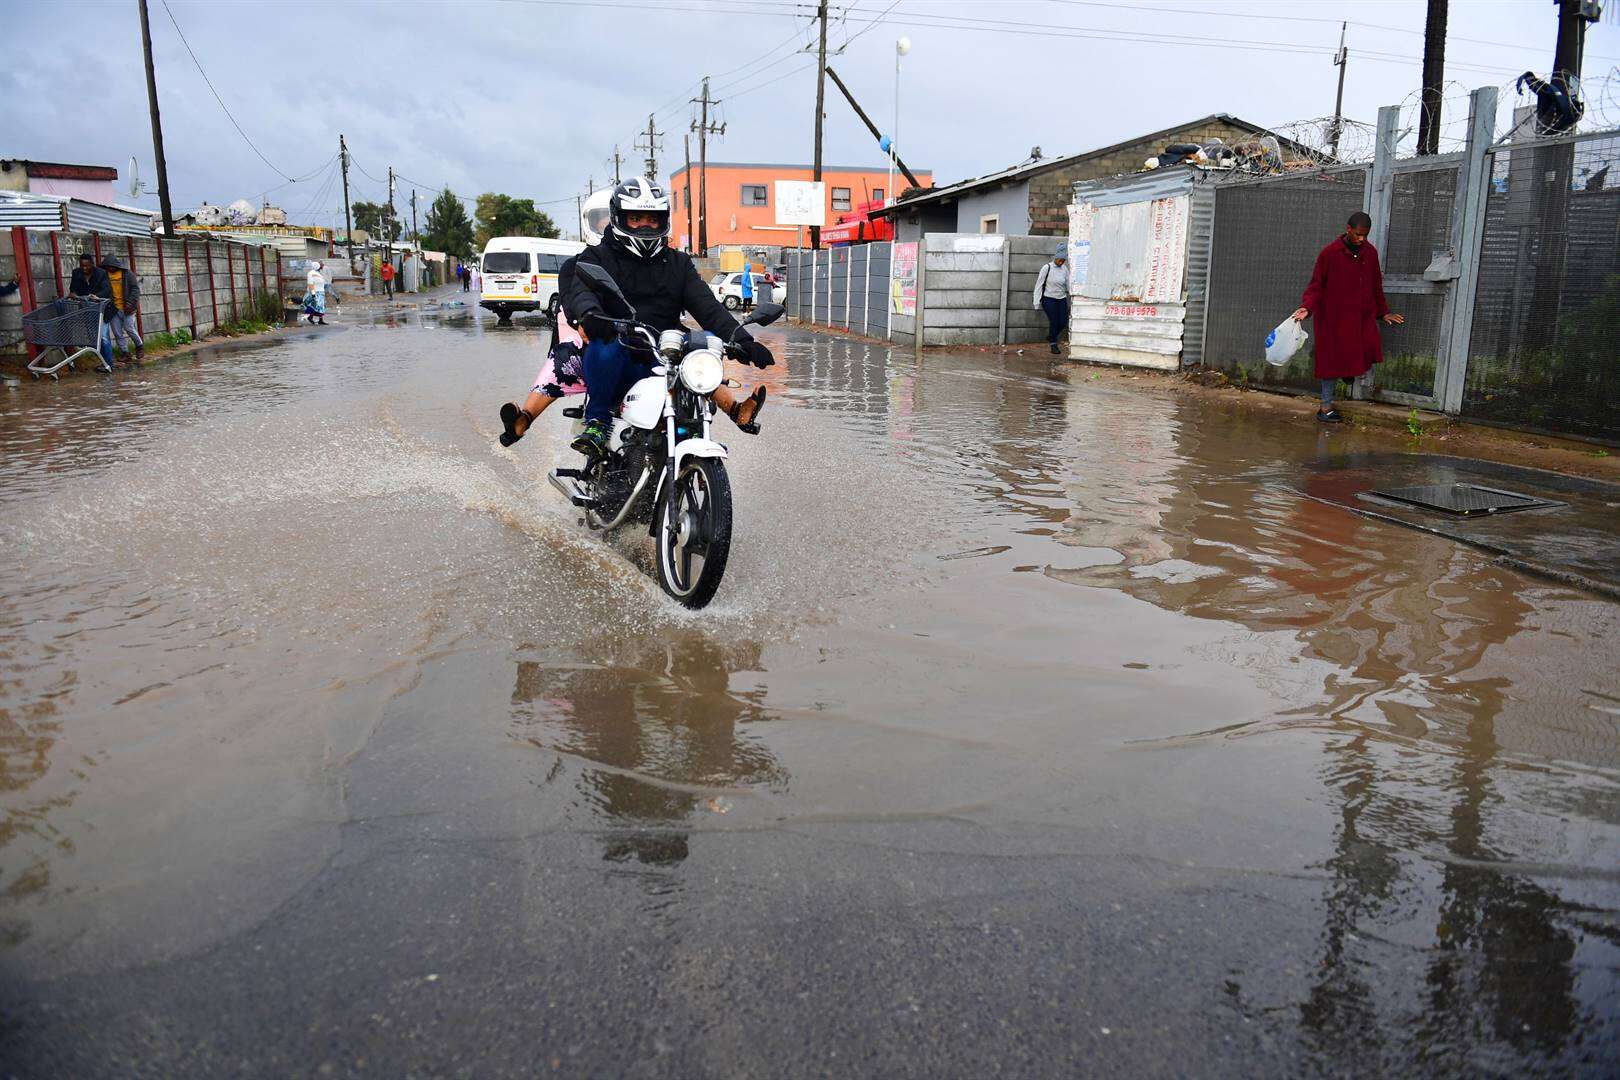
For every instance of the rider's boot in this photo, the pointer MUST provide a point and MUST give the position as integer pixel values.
(593, 441)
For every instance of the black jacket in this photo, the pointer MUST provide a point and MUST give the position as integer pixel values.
(660, 289)
(98, 284)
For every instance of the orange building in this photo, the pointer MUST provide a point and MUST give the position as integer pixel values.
(742, 200)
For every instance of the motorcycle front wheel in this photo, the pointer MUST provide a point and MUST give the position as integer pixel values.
(694, 532)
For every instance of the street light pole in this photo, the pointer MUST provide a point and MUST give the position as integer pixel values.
(902, 45)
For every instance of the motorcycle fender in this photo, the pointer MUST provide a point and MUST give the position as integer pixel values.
(690, 448)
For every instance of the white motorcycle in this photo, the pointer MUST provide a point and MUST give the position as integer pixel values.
(662, 468)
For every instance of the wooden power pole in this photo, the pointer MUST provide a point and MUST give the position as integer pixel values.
(1341, 60)
(704, 129)
(821, 98)
(652, 149)
(1434, 77)
(157, 125)
(686, 195)
(348, 218)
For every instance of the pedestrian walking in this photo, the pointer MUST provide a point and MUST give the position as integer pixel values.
(1052, 295)
(122, 324)
(315, 294)
(476, 276)
(388, 278)
(747, 283)
(90, 282)
(1345, 301)
(465, 275)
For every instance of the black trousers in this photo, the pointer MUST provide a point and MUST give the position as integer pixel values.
(1057, 317)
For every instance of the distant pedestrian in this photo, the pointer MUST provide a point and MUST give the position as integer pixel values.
(465, 275)
(747, 283)
(315, 294)
(126, 301)
(1052, 296)
(90, 282)
(388, 278)
(476, 276)
(1345, 300)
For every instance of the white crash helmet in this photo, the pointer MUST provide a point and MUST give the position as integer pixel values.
(594, 215)
(639, 196)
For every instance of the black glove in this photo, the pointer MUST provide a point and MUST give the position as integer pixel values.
(598, 327)
(752, 352)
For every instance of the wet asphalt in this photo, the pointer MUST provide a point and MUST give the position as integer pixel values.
(1042, 727)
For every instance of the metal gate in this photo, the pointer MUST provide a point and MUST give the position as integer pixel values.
(1425, 213)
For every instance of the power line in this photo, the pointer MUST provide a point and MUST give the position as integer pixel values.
(217, 98)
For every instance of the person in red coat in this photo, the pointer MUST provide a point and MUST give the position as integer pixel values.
(1346, 300)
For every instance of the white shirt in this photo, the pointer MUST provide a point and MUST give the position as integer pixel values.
(317, 283)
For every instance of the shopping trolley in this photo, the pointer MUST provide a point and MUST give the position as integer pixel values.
(71, 327)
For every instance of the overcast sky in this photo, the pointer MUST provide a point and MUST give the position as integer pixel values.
(530, 96)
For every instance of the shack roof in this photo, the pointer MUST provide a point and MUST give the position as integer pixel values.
(57, 170)
(1029, 169)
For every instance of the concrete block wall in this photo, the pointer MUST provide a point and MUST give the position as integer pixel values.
(1051, 193)
(1025, 321)
(239, 272)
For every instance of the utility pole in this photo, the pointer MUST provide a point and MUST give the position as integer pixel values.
(388, 221)
(1340, 61)
(579, 212)
(616, 178)
(821, 92)
(348, 218)
(415, 235)
(1434, 77)
(652, 149)
(686, 195)
(157, 125)
(704, 129)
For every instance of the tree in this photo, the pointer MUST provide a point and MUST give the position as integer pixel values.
(448, 228)
(369, 216)
(502, 215)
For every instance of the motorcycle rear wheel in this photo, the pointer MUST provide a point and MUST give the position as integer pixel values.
(694, 532)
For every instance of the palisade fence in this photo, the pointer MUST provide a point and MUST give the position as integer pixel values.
(195, 284)
(1504, 258)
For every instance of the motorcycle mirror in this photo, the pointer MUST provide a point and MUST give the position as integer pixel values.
(765, 314)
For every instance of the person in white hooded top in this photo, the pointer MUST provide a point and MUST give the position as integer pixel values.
(315, 294)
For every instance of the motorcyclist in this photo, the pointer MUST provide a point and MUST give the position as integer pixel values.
(660, 283)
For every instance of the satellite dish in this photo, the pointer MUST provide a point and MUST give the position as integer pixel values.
(136, 188)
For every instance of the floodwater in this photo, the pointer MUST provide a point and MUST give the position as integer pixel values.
(1040, 727)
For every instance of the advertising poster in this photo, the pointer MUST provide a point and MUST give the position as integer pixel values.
(903, 278)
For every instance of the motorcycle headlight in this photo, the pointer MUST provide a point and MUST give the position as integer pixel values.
(702, 371)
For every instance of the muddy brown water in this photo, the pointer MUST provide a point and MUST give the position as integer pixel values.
(293, 657)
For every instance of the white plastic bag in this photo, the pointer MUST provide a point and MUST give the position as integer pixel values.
(1283, 342)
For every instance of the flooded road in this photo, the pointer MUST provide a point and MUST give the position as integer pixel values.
(1040, 727)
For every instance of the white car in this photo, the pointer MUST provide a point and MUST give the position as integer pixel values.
(727, 289)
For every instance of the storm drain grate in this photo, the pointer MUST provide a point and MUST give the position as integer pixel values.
(1463, 500)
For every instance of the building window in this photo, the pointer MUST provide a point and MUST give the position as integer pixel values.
(877, 194)
(840, 198)
(754, 195)
(674, 200)
(990, 223)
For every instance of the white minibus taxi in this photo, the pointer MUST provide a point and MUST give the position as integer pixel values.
(520, 273)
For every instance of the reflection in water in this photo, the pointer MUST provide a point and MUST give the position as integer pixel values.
(656, 733)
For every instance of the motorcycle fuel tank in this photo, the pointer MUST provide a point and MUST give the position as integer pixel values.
(644, 404)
